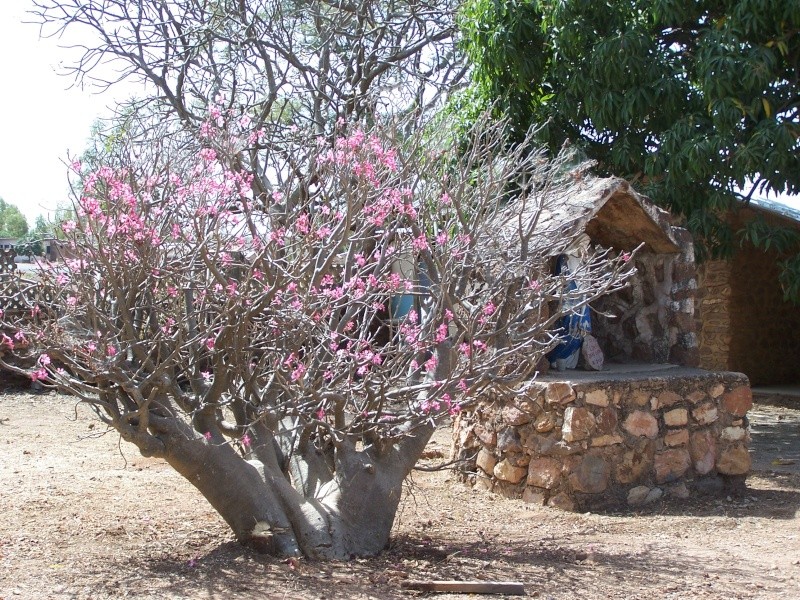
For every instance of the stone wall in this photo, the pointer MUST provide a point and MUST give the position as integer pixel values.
(653, 319)
(765, 329)
(713, 314)
(606, 439)
(743, 321)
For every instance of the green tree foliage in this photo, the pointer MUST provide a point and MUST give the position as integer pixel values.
(698, 102)
(30, 245)
(12, 222)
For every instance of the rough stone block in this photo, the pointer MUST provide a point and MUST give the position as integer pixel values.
(705, 413)
(671, 464)
(607, 420)
(544, 473)
(641, 423)
(514, 416)
(678, 490)
(533, 496)
(505, 471)
(696, 396)
(637, 495)
(597, 398)
(702, 448)
(591, 475)
(716, 390)
(677, 417)
(559, 392)
(486, 460)
(508, 440)
(578, 424)
(738, 401)
(679, 437)
(487, 436)
(668, 398)
(653, 495)
(562, 501)
(606, 440)
(733, 434)
(545, 423)
(734, 461)
(639, 397)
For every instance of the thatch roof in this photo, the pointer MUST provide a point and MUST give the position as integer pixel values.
(611, 213)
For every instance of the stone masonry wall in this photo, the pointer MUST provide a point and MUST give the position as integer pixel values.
(653, 318)
(713, 314)
(765, 329)
(603, 441)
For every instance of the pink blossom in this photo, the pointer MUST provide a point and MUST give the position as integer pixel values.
(431, 364)
(301, 224)
(489, 308)
(39, 375)
(111, 350)
(208, 154)
(246, 440)
(44, 360)
(167, 326)
(68, 226)
(445, 199)
(172, 291)
(320, 414)
(210, 343)
(72, 301)
(207, 435)
(420, 243)
(625, 256)
(91, 347)
(298, 372)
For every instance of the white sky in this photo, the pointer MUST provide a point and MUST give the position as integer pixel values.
(42, 120)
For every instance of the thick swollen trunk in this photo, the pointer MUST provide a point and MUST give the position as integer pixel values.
(351, 515)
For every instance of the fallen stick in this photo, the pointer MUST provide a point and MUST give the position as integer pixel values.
(467, 587)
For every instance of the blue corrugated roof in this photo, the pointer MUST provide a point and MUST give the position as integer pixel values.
(777, 208)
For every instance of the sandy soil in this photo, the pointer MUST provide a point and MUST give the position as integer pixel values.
(82, 515)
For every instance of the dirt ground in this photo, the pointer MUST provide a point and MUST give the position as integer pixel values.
(84, 516)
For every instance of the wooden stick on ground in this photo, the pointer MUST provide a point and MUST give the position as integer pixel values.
(467, 587)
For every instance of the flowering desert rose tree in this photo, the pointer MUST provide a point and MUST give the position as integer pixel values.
(264, 351)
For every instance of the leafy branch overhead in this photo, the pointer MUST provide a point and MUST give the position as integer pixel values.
(699, 103)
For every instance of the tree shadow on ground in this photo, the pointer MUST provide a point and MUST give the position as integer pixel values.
(231, 570)
(757, 497)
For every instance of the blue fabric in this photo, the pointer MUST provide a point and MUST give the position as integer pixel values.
(572, 326)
